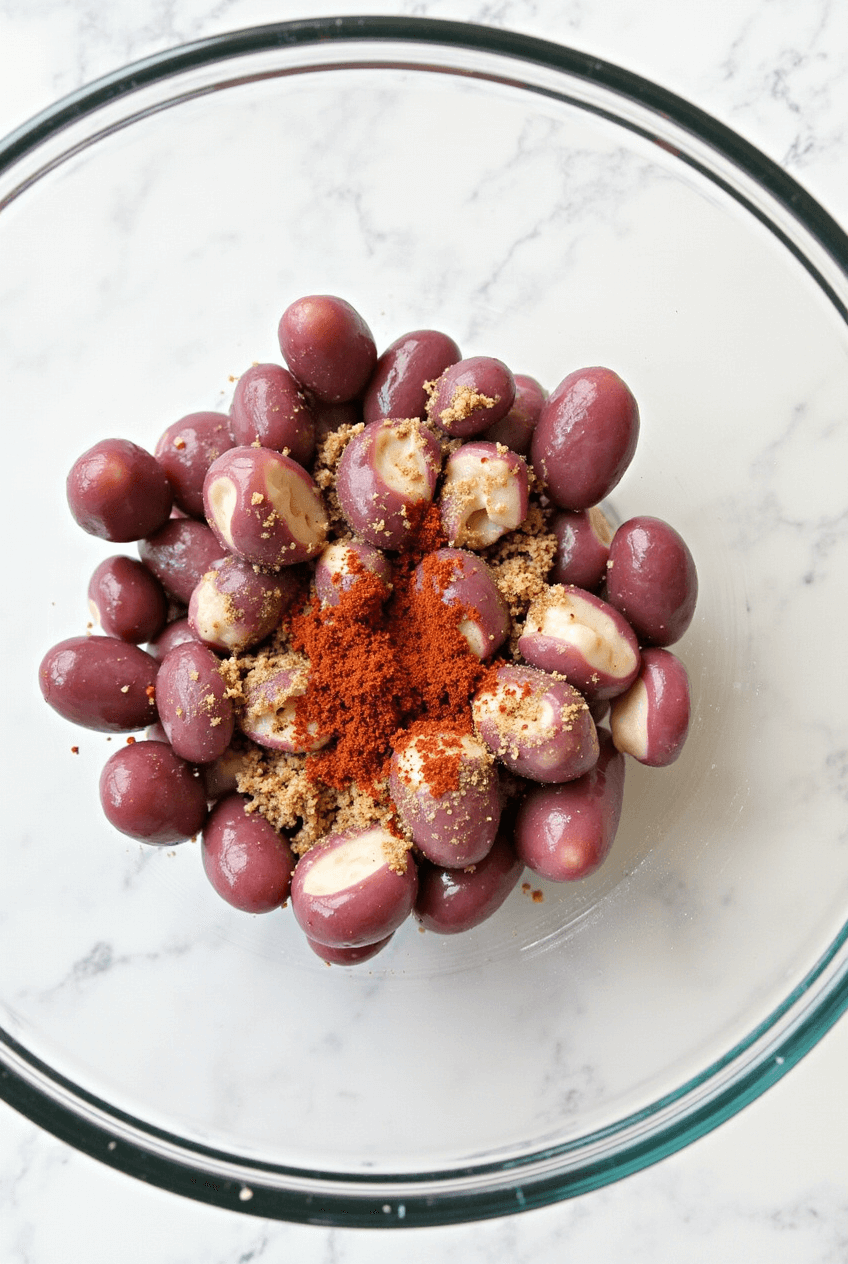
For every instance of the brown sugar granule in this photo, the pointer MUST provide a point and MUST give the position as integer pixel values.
(396, 847)
(283, 791)
(518, 711)
(464, 401)
(521, 560)
(327, 457)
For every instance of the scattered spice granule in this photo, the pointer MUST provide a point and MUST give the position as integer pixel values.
(329, 453)
(74, 750)
(536, 895)
(464, 401)
(282, 790)
(440, 752)
(521, 561)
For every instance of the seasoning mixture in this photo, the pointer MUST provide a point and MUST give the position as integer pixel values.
(383, 666)
(342, 691)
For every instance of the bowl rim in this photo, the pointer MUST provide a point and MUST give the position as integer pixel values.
(204, 1174)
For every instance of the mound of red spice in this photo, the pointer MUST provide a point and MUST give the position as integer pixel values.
(384, 664)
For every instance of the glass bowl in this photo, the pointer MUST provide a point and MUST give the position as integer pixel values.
(554, 211)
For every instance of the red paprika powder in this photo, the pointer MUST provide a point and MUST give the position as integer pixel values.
(384, 664)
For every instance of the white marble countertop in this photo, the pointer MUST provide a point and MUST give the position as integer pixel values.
(770, 1185)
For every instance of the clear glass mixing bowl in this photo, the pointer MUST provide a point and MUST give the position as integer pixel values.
(554, 211)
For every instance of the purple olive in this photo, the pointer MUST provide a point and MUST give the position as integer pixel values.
(451, 901)
(470, 396)
(585, 437)
(342, 563)
(599, 708)
(118, 491)
(178, 554)
(651, 721)
(247, 862)
(575, 633)
(348, 956)
(186, 450)
(354, 888)
(174, 633)
(462, 579)
(126, 600)
(445, 788)
(235, 605)
(388, 471)
(270, 409)
(515, 429)
(652, 580)
(220, 776)
(397, 385)
(328, 347)
(565, 832)
(192, 703)
(484, 494)
(100, 683)
(332, 417)
(264, 507)
(269, 716)
(538, 725)
(150, 794)
(583, 538)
